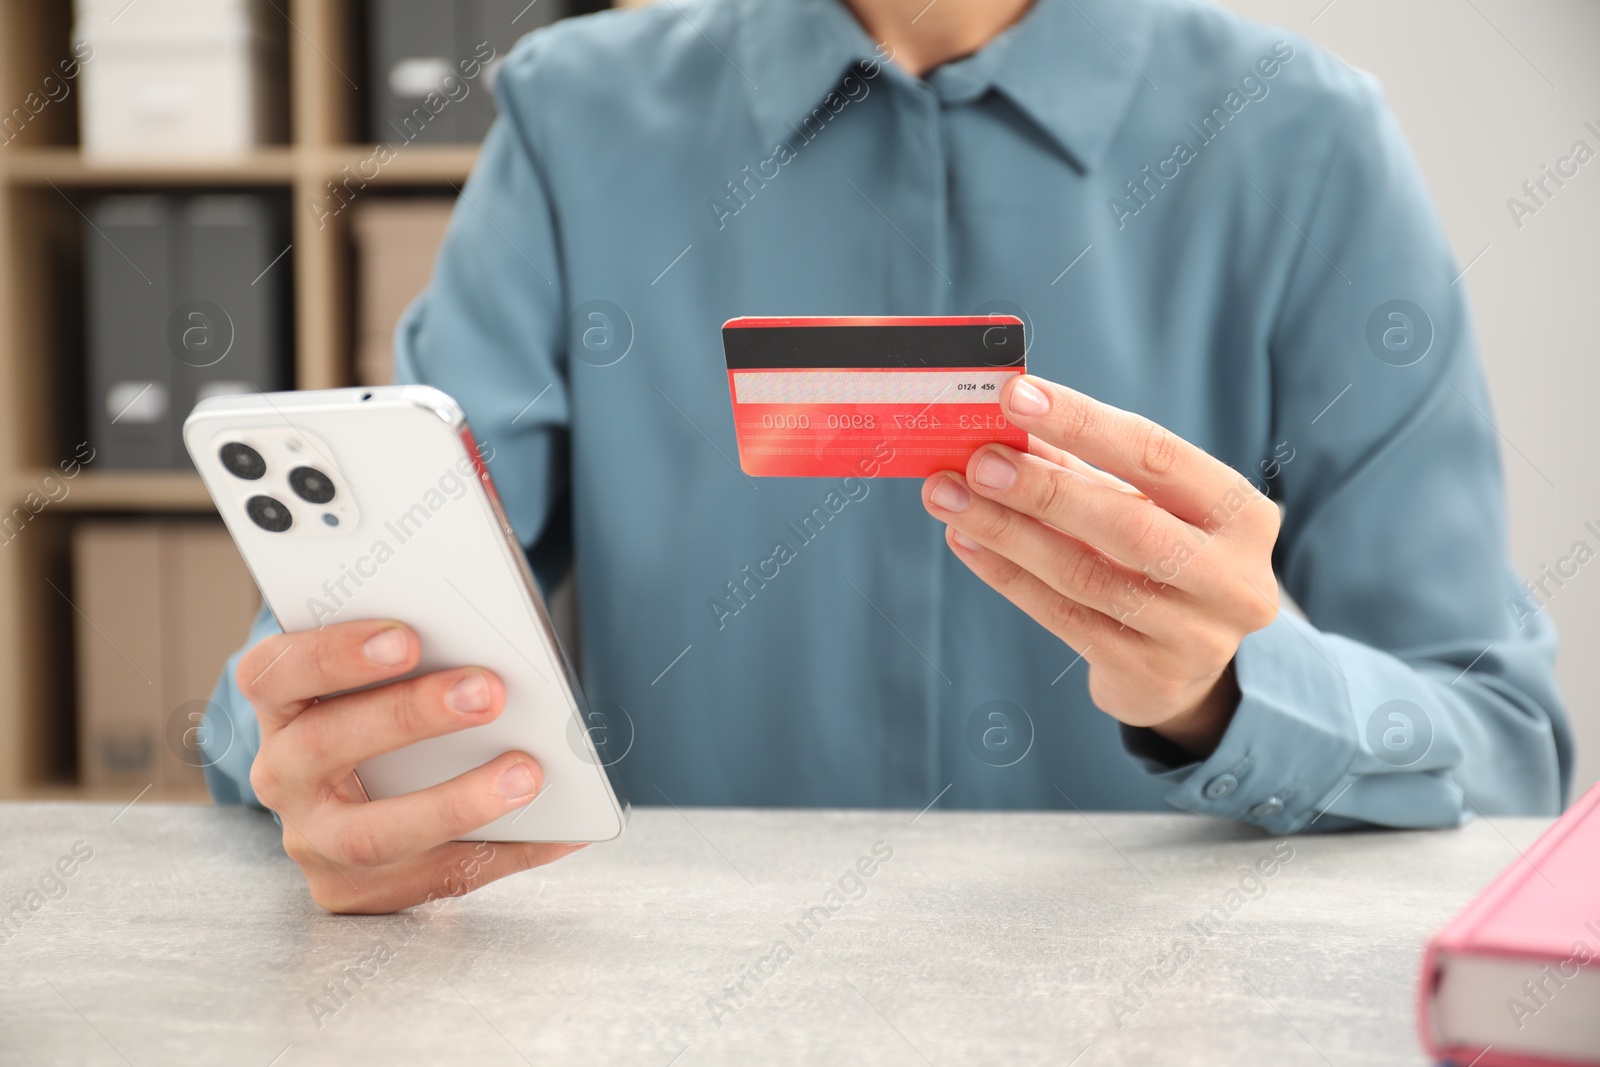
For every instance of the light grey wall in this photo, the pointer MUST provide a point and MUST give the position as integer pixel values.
(1488, 91)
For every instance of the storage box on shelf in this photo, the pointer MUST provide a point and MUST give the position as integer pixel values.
(396, 240)
(161, 603)
(180, 78)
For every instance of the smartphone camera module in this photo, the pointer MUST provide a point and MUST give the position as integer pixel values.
(269, 514)
(273, 482)
(242, 461)
(311, 485)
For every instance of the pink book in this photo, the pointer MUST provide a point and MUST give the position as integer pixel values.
(1514, 980)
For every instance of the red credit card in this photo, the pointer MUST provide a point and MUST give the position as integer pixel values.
(869, 397)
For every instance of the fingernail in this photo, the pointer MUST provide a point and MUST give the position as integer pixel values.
(386, 649)
(1028, 399)
(962, 539)
(994, 472)
(950, 495)
(518, 783)
(471, 694)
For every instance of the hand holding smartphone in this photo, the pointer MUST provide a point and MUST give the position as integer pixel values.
(418, 698)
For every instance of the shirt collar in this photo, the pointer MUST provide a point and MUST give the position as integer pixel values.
(1072, 66)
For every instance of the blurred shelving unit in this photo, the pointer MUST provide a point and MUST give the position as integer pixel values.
(43, 180)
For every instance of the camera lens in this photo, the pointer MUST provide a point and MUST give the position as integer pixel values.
(311, 485)
(242, 461)
(269, 514)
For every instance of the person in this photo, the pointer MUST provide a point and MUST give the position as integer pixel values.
(1251, 361)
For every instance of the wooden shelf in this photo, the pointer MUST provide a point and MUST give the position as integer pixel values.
(411, 165)
(41, 337)
(68, 167)
(121, 491)
(41, 347)
(158, 794)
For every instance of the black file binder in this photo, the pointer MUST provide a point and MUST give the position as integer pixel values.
(412, 50)
(414, 45)
(128, 271)
(186, 297)
(230, 320)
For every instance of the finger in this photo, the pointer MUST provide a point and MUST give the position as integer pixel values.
(1178, 476)
(1061, 458)
(447, 871)
(1131, 528)
(1065, 564)
(338, 733)
(511, 857)
(282, 674)
(1098, 637)
(1047, 451)
(382, 832)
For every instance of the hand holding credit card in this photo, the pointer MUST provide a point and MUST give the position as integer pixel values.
(1149, 557)
(870, 397)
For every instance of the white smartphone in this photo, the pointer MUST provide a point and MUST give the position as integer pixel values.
(376, 503)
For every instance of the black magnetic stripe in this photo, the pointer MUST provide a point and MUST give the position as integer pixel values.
(866, 347)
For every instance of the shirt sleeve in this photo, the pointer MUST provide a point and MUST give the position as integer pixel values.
(490, 330)
(230, 734)
(1418, 690)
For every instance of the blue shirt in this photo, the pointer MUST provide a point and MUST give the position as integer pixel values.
(1201, 219)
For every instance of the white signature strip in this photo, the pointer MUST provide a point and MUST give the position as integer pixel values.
(870, 387)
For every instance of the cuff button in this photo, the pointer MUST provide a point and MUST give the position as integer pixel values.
(1267, 808)
(1220, 786)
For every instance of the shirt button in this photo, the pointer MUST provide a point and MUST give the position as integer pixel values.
(1267, 808)
(1221, 786)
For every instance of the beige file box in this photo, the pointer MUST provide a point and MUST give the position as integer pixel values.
(209, 602)
(116, 587)
(396, 242)
(162, 603)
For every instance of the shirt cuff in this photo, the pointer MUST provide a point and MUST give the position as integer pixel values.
(1291, 742)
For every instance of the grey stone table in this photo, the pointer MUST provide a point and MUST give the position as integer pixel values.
(736, 937)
